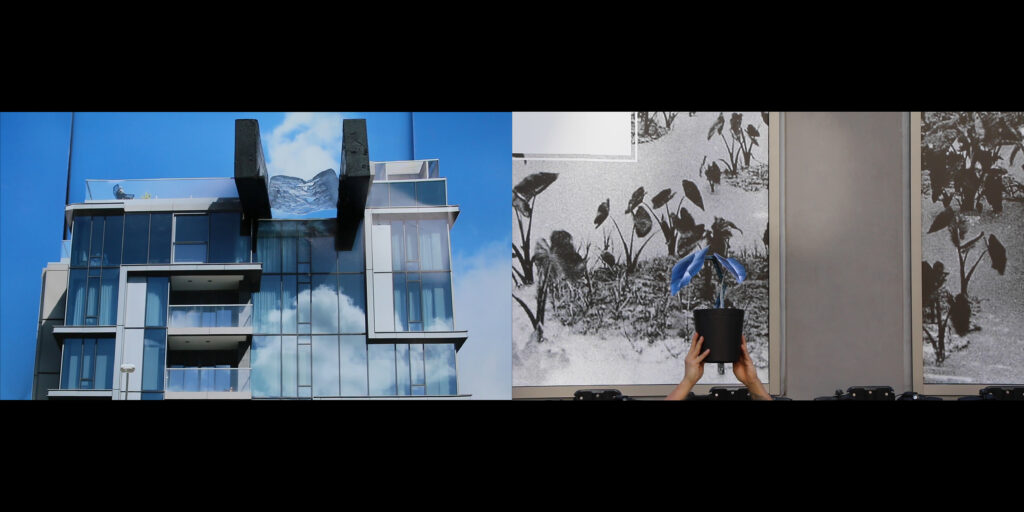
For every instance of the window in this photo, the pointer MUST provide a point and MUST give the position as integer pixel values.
(353, 365)
(229, 238)
(156, 301)
(327, 376)
(266, 366)
(218, 237)
(382, 370)
(412, 369)
(95, 270)
(421, 273)
(439, 364)
(153, 352)
(191, 234)
(136, 238)
(160, 238)
(87, 364)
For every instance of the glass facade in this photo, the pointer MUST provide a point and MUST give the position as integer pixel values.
(101, 243)
(310, 306)
(310, 316)
(87, 364)
(307, 286)
(94, 270)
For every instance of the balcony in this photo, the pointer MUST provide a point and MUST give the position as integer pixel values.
(200, 383)
(209, 315)
(420, 192)
(405, 170)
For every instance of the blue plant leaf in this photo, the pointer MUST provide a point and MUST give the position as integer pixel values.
(686, 268)
(679, 278)
(734, 267)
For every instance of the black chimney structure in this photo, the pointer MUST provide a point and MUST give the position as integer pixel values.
(251, 177)
(354, 182)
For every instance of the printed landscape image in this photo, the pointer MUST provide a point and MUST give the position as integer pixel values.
(594, 244)
(972, 242)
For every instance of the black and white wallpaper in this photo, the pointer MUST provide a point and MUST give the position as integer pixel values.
(972, 243)
(594, 242)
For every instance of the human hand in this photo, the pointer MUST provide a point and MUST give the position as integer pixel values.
(746, 373)
(743, 368)
(695, 360)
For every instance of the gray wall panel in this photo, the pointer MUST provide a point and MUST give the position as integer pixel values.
(135, 302)
(845, 269)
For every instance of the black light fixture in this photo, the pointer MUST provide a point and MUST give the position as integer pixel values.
(728, 394)
(998, 393)
(864, 393)
(599, 394)
(911, 395)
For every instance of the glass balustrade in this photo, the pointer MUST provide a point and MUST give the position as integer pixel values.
(210, 315)
(65, 251)
(196, 379)
(430, 192)
(159, 188)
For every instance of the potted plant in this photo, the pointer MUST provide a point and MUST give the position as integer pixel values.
(721, 327)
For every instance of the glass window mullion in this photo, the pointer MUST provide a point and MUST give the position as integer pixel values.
(81, 362)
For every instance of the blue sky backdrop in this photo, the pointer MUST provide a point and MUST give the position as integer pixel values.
(474, 151)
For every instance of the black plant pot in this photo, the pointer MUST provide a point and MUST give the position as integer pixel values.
(722, 330)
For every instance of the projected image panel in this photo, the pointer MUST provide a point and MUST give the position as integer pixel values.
(596, 231)
(972, 241)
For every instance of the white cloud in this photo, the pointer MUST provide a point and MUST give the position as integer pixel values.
(483, 306)
(304, 144)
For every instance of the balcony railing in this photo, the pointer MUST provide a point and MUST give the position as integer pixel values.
(405, 170)
(210, 315)
(65, 251)
(428, 192)
(161, 188)
(207, 379)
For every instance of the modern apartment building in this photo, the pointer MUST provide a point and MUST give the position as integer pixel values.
(191, 289)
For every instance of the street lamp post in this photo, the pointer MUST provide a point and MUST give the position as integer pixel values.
(127, 370)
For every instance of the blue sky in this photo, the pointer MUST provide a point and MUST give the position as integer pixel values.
(474, 151)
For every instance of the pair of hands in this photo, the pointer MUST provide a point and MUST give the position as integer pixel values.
(742, 368)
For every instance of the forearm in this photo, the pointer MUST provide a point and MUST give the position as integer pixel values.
(681, 391)
(757, 390)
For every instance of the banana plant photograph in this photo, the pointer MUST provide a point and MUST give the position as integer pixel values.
(594, 243)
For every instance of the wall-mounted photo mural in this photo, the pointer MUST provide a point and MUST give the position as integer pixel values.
(972, 244)
(595, 237)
